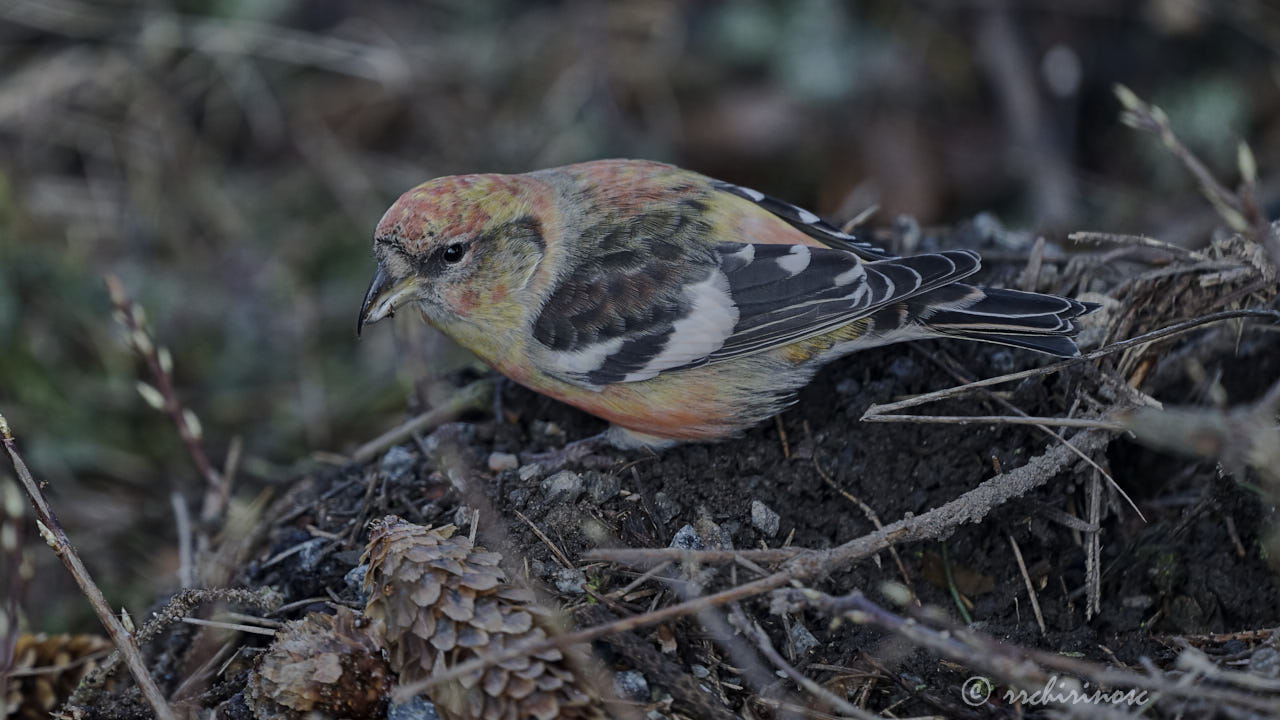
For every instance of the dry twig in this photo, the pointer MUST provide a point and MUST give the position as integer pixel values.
(57, 539)
(1026, 578)
(472, 397)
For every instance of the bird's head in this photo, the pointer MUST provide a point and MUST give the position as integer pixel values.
(461, 248)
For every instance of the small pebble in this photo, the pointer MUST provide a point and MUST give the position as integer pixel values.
(565, 486)
(903, 368)
(396, 463)
(519, 498)
(714, 535)
(544, 570)
(500, 461)
(602, 486)
(764, 519)
(802, 641)
(686, 538)
(848, 386)
(309, 556)
(419, 708)
(547, 430)
(354, 580)
(631, 685)
(1265, 662)
(530, 471)
(462, 516)
(570, 581)
(666, 507)
(1003, 361)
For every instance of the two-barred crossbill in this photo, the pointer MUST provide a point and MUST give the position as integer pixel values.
(673, 305)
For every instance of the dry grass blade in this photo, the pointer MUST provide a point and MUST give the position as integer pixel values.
(1000, 420)
(1026, 578)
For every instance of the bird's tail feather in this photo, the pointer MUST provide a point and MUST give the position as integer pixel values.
(1035, 321)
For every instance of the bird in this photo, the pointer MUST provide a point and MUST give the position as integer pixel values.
(677, 307)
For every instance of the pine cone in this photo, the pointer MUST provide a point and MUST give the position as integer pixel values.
(320, 666)
(67, 657)
(443, 601)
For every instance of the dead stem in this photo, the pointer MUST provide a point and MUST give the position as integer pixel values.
(1139, 240)
(762, 643)
(475, 396)
(57, 539)
(1026, 578)
(1000, 420)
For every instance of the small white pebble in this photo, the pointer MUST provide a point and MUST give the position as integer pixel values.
(631, 685)
(764, 519)
(570, 581)
(501, 461)
(802, 641)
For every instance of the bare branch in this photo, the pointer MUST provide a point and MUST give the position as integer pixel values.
(57, 539)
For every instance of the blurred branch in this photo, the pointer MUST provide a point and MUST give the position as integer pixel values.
(57, 539)
(1011, 72)
(1240, 210)
(1240, 437)
(164, 398)
(1140, 115)
(212, 35)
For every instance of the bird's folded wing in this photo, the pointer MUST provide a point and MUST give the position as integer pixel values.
(745, 298)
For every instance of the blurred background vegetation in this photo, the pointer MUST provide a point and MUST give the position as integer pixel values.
(228, 159)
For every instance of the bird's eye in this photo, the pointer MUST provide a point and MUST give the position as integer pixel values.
(454, 252)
